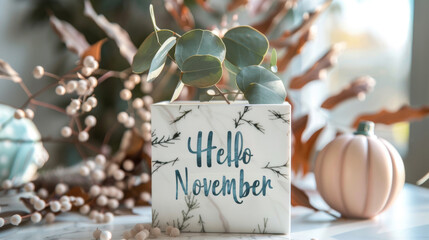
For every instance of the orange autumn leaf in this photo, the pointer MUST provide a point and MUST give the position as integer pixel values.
(94, 50)
(204, 5)
(404, 114)
(78, 192)
(319, 68)
(234, 4)
(357, 88)
(293, 50)
(308, 20)
(302, 149)
(300, 199)
(181, 14)
(280, 10)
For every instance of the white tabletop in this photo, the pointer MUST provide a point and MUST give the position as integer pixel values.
(407, 219)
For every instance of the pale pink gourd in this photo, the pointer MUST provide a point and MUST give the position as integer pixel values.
(359, 175)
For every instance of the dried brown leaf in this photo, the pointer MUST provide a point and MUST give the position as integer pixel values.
(280, 10)
(204, 5)
(181, 14)
(300, 199)
(234, 4)
(72, 38)
(6, 71)
(404, 114)
(293, 50)
(94, 50)
(114, 31)
(319, 68)
(302, 150)
(357, 88)
(308, 21)
(78, 192)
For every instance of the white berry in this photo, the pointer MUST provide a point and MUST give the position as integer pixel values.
(15, 219)
(38, 72)
(83, 136)
(36, 217)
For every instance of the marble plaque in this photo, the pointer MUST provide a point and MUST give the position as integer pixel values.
(221, 168)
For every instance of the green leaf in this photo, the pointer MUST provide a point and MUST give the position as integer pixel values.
(199, 42)
(273, 62)
(201, 71)
(261, 94)
(231, 67)
(245, 46)
(260, 86)
(152, 17)
(148, 49)
(177, 91)
(159, 59)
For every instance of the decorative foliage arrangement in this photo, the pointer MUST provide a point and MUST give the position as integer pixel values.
(230, 63)
(202, 55)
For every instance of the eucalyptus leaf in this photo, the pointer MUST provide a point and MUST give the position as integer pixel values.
(177, 91)
(201, 71)
(152, 17)
(258, 80)
(198, 42)
(257, 93)
(245, 46)
(231, 67)
(148, 49)
(159, 59)
(273, 62)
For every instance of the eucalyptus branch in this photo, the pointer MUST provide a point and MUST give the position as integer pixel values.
(220, 92)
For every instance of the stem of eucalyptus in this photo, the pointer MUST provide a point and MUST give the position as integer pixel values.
(220, 92)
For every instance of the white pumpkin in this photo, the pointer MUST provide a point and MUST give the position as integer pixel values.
(359, 174)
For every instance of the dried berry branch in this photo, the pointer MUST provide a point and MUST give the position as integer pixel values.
(164, 140)
(405, 113)
(319, 68)
(239, 121)
(158, 164)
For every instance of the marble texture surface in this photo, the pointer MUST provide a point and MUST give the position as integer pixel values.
(226, 167)
(407, 219)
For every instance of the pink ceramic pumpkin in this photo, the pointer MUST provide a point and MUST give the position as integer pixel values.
(359, 175)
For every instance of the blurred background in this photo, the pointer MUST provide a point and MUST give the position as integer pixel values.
(384, 39)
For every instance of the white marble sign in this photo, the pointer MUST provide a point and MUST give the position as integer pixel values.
(221, 168)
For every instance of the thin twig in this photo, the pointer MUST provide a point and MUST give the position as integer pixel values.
(220, 92)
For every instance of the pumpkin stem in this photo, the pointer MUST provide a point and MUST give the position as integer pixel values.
(365, 128)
